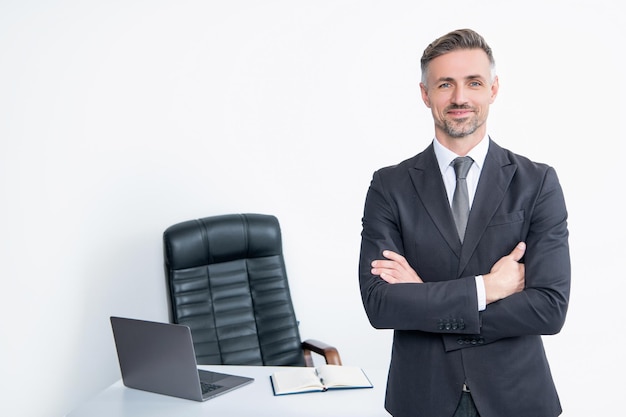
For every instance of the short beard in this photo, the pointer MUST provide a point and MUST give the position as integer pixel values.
(459, 130)
(454, 130)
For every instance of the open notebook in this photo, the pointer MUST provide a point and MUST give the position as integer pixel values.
(323, 378)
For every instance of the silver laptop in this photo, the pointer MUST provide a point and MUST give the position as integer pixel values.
(159, 357)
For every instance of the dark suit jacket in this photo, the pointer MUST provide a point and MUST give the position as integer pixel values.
(441, 340)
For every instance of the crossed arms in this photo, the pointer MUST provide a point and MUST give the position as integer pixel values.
(505, 278)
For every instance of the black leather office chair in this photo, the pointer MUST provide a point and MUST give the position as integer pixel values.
(227, 281)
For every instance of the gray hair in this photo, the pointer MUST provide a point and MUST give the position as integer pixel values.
(455, 40)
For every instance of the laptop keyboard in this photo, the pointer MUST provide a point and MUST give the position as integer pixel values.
(206, 387)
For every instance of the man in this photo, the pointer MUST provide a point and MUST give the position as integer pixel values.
(468, 304)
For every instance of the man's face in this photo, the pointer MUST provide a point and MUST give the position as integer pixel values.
(458, 91)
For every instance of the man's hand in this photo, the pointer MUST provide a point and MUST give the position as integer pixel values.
(507, 276)
(395, 269)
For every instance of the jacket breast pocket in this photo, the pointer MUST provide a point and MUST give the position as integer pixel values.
(507, 228)
(507, 218)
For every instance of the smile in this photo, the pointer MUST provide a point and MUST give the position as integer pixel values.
(460, 113)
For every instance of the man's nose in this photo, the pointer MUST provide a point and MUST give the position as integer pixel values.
(459, 96)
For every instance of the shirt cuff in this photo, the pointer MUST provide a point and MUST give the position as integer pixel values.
(480, 293)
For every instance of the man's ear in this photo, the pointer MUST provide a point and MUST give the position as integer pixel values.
(425, 95)
(495, 87)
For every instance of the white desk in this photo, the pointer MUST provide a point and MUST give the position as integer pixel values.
(256, 399)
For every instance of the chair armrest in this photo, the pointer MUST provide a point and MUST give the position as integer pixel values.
(330, 353)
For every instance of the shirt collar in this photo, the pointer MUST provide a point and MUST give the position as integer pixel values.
(445, 156)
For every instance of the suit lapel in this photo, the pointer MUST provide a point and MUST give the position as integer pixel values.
(494, 181)
(428, 184)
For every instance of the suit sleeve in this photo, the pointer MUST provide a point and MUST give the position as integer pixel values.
(449, 306)
(540, 309)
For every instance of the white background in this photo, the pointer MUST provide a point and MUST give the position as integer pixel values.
(120, 118)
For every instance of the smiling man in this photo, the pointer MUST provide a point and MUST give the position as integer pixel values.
(465, 254)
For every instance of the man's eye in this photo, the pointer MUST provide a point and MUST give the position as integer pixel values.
(444, 85)
(475, 84)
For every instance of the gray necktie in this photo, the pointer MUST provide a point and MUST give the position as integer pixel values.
(460, 200)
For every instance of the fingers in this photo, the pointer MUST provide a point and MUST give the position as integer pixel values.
(518, 252)
(522, 281)
(394, 268)
(389, 266)
(394, 256)
(385, 269)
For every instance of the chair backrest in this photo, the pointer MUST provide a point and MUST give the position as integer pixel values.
(227, 281)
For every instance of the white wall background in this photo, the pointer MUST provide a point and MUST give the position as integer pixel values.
(119, 118)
